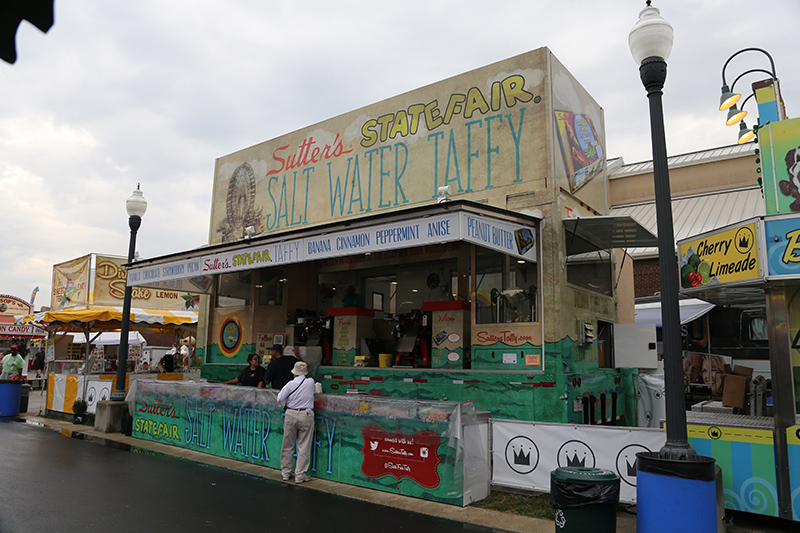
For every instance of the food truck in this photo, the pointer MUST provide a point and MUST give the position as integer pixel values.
(447, 245)
(752, 270)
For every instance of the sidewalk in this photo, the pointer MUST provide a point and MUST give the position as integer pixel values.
(626, 523)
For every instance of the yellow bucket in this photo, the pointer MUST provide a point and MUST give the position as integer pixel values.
(385, 360)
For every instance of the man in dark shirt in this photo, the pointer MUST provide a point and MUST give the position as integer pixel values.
(279, 370)
(252, 375)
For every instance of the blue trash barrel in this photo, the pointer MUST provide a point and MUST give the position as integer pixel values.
(668, 490)
(10, 394)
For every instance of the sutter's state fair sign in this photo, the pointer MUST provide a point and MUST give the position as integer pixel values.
(482, 133)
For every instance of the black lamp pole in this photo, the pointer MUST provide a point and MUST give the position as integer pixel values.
(653, 73)
(135, 204)
(650, 42)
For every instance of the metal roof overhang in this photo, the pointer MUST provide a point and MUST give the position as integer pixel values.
(484, 225)
(752, 293)
(589, 234)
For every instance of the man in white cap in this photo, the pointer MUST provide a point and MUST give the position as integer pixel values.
(298, 425)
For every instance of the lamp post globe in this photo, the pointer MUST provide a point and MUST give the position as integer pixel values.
(136, 206)
(650, 43)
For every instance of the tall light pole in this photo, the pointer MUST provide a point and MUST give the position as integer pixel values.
(650, 42)
(136, 206)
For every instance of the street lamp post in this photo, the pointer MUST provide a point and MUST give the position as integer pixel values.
(650, 42)
(136, 206)
(674, 481)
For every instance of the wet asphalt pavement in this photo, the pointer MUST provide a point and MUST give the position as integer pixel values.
(51, 482)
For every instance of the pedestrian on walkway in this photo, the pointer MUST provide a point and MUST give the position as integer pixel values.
(279, 370)
(185, 356)
(12, 364)
(297, 398)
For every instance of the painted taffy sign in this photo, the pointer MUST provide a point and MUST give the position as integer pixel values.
(472, 133)
(393, 445)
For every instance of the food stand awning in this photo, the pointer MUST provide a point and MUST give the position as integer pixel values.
(589, 234)
(106, 317)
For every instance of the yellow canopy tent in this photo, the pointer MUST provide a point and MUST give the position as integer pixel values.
(87, 319)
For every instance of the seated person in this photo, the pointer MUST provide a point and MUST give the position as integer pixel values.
(279, 370)
(252, 375)
(351, 298)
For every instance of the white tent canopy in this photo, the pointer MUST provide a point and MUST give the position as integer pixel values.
(109, 338)
(690, 309)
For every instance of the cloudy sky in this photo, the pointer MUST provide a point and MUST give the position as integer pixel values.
(152, 92)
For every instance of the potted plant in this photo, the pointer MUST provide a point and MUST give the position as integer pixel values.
(79, 411)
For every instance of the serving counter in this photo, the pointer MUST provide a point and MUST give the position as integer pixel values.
(434, 450)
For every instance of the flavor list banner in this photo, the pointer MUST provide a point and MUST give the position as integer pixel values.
(398, 446)
(512, 239)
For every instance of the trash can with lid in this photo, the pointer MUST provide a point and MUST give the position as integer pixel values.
(585, 499)
(25, 393)
(10, 392)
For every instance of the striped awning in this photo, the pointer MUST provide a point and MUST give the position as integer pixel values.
(106, 316)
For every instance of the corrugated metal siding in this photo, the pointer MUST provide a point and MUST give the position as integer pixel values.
(683, 160)
(692, 215)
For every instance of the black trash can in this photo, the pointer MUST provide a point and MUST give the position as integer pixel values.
(585, 499)
(23, 398)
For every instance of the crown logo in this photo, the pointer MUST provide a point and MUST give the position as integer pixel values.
(744, 242)
(522, 458)
(574, 461)
(631, 468)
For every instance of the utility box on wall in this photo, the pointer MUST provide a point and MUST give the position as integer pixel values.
(635, 346)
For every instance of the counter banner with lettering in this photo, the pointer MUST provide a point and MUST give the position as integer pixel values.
(406, 447)
(109, 288)
(70, 283)
(782, 241)
(729, 255)
(489, 232)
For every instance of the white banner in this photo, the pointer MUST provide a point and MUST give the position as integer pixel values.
(524, 453)
(511, 239)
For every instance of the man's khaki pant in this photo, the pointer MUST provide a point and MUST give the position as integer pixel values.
(298, 427)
